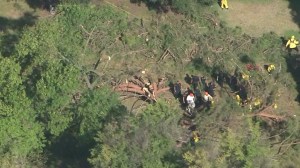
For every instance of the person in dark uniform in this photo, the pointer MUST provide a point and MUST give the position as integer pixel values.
(211, 88)
(188, 79)
(177, 90)
(197, 96)
(204, 83)
(195, 81)
(221, 78)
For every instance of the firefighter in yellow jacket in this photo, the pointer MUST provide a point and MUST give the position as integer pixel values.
(195, 136)
(292, 44)
(224, 4)
(271, 68)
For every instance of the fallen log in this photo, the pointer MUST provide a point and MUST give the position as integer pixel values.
(162, 90)
(137, 82)
(154, 85)
(131, 90)
(129, 85)
(270, 116)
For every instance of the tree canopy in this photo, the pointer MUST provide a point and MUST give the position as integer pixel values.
(59, 106)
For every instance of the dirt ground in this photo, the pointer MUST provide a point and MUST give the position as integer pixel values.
(257, 18)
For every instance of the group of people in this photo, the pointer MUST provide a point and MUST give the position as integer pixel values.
(149, 90)
(201, 93)
(192, 96)
(198, 93)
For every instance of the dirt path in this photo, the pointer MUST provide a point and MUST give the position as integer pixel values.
(257, 18)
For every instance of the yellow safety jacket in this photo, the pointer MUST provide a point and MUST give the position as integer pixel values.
(271, 68)
(257, 102)
(196, 137)
(292, 43)
(245, 76)
(224, 4)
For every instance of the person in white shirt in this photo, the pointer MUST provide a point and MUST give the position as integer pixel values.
(207, 97)
(208, 100)
(190, 99)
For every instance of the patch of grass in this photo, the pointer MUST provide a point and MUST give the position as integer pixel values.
(13, 9)
(258, 17)
(290, 33)
(256, 1)
(14, 16)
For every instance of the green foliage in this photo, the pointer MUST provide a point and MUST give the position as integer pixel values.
(110, 150)
(158, 112)
(54, 94)
(54, 56)
(96, 108)
(144, 141)
(244, 148)
(233, 153)
(197, 158)
(248, 151)
(68, 35)
(231, 51)
(20, 133)
(168, 36)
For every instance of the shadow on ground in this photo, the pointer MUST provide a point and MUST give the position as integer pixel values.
(294, 5)
(34, 4)
(17, 24)
(12, 29)
(293, 63)
(66, 152)
(159, 6)
(44, 4)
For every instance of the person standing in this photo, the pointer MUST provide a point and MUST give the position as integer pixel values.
(195, 136)
(191, 104)
(195, 81)
(197, 96)
(177, 90)
(191, 100)
(211, 88)
(292, 44)
(208, 100)
(204, 83)
(224, 4)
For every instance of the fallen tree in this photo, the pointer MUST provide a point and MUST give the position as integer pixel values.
(142, 89)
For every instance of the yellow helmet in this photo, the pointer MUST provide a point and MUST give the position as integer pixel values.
(293, 37)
